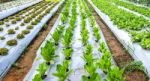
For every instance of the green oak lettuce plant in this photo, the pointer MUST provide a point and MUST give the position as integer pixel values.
(93, 76)
(102, 47)
(67, 53)
(85, 36)
(37, 77)
(89, 49)
(96, 33)
(88, 56)
(48, 52)
(41, 72)
(68, 37)
(42, 69)
(65, 13)
(57, 34)
(115, 74)
(63, 71)
(105, 62)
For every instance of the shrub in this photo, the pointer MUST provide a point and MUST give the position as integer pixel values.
(2, 37)
(25, 31)
(11, 31)
(29, 27)
(1, 22)
(12, 42)
(3, 51)
(20, 36)
(1, 29)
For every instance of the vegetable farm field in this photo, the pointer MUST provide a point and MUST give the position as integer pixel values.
(74, 40)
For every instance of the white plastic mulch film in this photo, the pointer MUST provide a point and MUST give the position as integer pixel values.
(14, 52)
(135, 50)
(14, 3)
(77, 62)
(8, 12)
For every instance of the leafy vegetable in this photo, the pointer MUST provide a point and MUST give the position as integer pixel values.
(62, 70)
(37, 77)
(42, 68)
(105, 61)
(48, 52)
(68, 53)
(67, 37)
(96, 33)
(57, 34)
(102, 47)
(94, 77)
(115, 74)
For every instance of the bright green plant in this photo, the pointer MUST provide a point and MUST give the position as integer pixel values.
(67, 37)
(42, 68)
(63, 18)
(105, 61)
(67, 53)
(94, 77)
(89, 49)
(85, 36)
(88, 56)
(63, 71)
(96, 33)
(115, 74)
(102, 47)
(57, 34)
(91, 70)
(145, 43)
(37, 77)
(48, 52)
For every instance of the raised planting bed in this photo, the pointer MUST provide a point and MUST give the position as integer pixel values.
(126, 29)
(28, 23)
(142, 10)
(74, 50)
(13, 10)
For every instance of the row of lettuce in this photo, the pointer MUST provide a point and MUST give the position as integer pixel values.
(16, 27)
(137, 26)
(65, 35)
(142, 10)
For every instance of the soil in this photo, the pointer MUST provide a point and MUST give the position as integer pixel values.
(24, 63)
(119, 53)
(135, 76)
